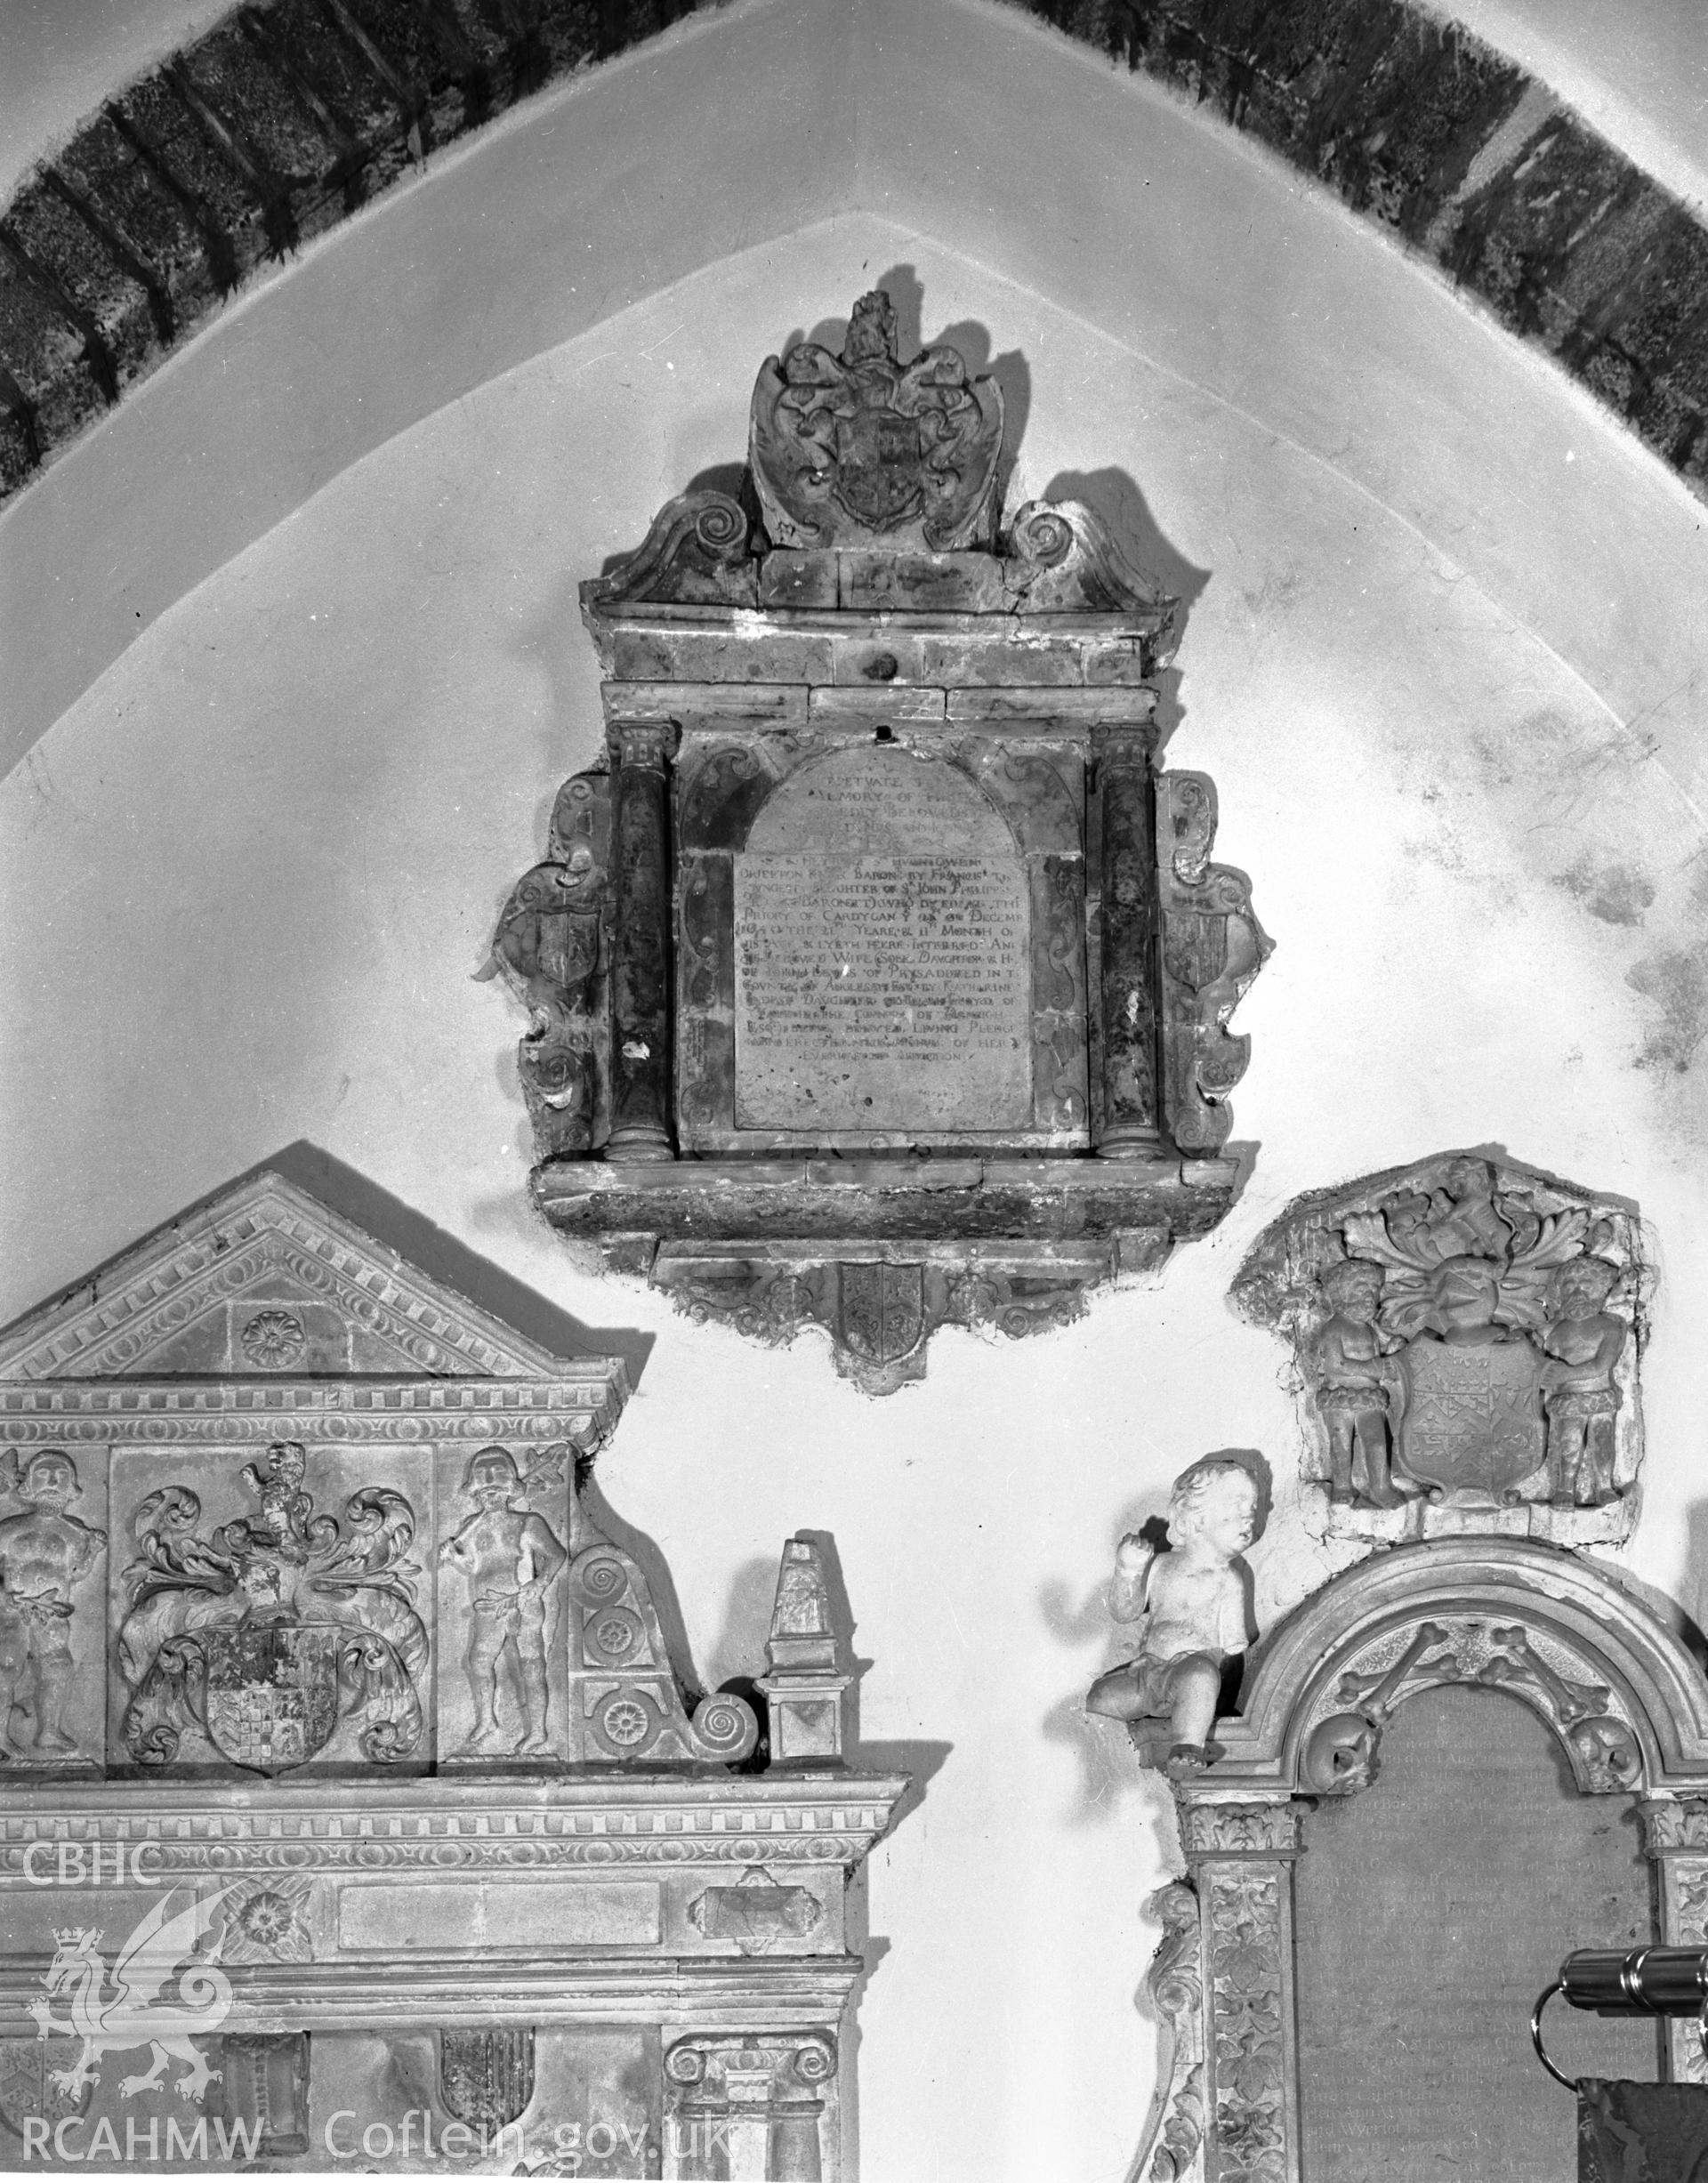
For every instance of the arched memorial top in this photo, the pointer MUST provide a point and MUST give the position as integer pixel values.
(1619, 1688)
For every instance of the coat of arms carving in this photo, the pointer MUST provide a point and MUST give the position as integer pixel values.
(1468, 1335)
(846, 449)
(270, 1630)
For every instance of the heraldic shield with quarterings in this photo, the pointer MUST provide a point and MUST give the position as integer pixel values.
(1468, 1335)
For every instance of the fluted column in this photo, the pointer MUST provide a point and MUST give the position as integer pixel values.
(641, 1079)
(1128, 1111)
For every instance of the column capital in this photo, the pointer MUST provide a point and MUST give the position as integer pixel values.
(646, 745)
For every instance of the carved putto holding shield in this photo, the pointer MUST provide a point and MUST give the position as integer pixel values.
(1468, 1335)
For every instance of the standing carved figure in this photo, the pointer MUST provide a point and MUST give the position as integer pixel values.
(1358, 1385)
(1583, 1344)
(510, 1555)
(1191, 1597)
(42, 1553)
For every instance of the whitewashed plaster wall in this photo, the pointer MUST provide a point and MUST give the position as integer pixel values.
(1445, 661)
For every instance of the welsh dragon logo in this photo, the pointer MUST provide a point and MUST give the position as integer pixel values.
(128, 2004)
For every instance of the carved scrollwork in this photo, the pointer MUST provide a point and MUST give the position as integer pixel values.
(697, 552)
(1339, 1752)
(1063, 558)
(1213, 948)
(1172, 2152)
(551, 949)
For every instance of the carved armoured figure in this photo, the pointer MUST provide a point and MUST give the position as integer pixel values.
(1358, 1385)
(510, 1555)
(42, 1553)
(1192, 1599)
(1583, 1344)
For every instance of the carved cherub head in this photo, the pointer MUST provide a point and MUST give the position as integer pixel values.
(1215, 1502)
(1581, 1288)
(492, 1480)
(48, 1481)
(1352, 1288)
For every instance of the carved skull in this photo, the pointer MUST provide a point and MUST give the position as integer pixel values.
(1341, 1755)
(1606, 1751)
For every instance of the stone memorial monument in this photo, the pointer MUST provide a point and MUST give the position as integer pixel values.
(353, 1809)
(877, 977)
(1451, 1764)
(1468, 1335)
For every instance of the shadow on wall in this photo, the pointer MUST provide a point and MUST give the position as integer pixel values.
(1114, 496)
(1110, 1767)
(443, 1258)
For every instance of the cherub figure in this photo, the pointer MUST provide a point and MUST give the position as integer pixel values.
(1357, 1385)
(42, 1553)
(510, 1555)
(1192, 1599)
(1582, 1343)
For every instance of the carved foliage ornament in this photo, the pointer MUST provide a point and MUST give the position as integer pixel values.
(270, 1629)
(1468, 1332)
(1340, 1751)
(846, 449)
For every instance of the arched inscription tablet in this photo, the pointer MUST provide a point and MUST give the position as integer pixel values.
(882, 953)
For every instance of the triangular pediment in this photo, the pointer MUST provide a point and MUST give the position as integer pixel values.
(264, 1279)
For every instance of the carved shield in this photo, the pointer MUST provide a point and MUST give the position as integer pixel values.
(1472, 1424)
(883, 1310)
(879, 464)
(27, 2092)
(272, 1691)
(486, 2078)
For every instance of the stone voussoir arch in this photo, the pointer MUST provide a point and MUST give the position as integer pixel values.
(286, 117)
(1620, 1690)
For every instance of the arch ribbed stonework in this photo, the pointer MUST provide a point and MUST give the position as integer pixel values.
(1618, 1688)
(285, 117)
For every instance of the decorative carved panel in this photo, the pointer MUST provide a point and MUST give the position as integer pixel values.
(348, 1763)
(1468, 1335)
(878, 979)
